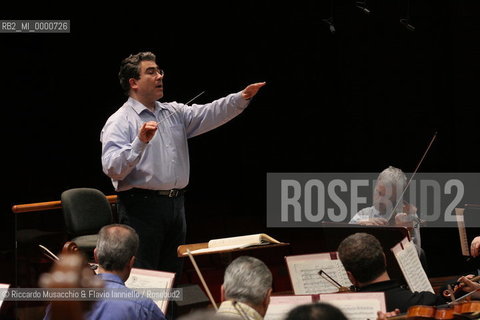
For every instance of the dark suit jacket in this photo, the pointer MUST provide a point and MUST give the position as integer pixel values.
(399, 297)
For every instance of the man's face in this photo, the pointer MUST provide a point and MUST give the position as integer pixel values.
(150, 84)
(384, 197)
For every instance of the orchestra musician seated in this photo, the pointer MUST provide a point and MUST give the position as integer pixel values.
(388, 189)
(115, 255)
(246, 289)
(387, 193)
(364, 260)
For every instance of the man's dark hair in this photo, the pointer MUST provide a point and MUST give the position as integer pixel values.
(316, 311)
(116, 245)
(362, 255)
(130, 68)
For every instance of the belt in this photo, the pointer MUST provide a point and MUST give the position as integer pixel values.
(173, 193)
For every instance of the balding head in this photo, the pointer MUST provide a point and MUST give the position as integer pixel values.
(116, 245)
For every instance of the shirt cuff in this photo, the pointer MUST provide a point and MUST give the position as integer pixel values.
(242, 103)
(138, 146)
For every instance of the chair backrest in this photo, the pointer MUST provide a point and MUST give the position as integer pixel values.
(86, 211)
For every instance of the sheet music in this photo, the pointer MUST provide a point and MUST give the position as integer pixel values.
(305, 278)
(239, 242)
(280, 306)
(462, 232)
(357, 306)
(411, 267)
(142, 278)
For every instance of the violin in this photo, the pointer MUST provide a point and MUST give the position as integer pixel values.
(70, 271)
(407, 216)
(469, 307)
(409, 208)
(71, 247)
(429, 312)
(443, 312)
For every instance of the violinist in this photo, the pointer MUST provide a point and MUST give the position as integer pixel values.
(364, 260)
(387, 193)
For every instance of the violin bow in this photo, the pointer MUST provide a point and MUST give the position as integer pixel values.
(414, 172)
(329, 279)
(464, 296)
(49, 254)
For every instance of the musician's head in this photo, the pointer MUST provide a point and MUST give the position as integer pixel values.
(362, 256)
(248, 280)
(141, 78)
(117, 245)
(388, 188)
(316, 311)
(200, 314)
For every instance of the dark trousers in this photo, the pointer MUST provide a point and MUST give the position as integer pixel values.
(160, 223)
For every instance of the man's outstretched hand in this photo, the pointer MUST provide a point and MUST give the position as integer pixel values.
(250, 91)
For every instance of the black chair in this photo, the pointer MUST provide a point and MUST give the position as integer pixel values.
(86, 211)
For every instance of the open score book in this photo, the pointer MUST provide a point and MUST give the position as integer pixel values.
(239, 242)
(305, 277)
(145, 279)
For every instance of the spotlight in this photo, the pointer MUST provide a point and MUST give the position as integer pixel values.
(329, 20)
(362, 5)
(331, 26)
(405, 22)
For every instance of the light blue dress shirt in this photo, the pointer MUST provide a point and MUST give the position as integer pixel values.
(118, 309)
(163, 163)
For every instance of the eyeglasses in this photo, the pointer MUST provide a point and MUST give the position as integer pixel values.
(153, 71)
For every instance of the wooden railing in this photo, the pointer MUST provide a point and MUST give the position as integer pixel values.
(49, 205)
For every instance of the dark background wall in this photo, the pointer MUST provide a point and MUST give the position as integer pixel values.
(368, 96)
